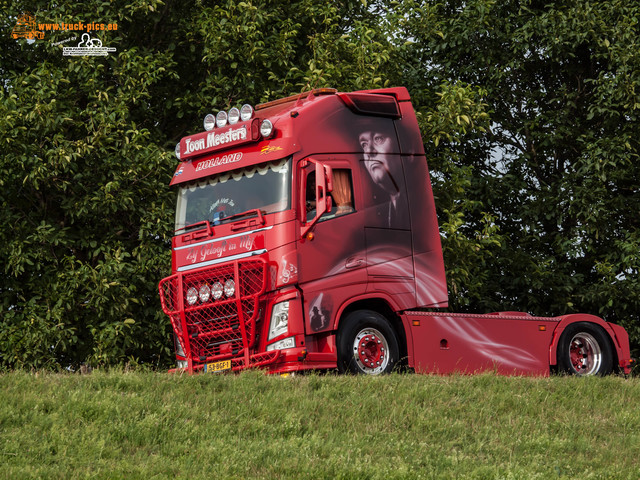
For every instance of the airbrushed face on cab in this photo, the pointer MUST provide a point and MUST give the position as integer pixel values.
(377, 146)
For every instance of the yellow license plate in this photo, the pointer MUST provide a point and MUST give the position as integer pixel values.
(218, 366)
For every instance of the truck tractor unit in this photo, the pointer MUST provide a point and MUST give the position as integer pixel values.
(306, 238)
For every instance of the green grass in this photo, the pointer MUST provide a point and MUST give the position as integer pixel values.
(153, 425)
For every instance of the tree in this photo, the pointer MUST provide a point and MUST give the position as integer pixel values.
(84, 234)
(528, 111)
(87, 148)
(559, 170)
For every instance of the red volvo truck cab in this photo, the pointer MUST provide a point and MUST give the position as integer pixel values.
(307, 238)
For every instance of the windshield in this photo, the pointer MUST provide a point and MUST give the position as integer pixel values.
(266, 187)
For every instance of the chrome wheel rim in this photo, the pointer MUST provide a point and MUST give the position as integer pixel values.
(585, 354)
(371, 351)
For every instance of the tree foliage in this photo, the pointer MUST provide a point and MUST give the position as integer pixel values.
(87, 154)
(558, 171)
(529, 113)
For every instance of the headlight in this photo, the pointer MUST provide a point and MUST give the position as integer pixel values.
(266, 128)
(192, 295)
(216, 290)
(205, 293)
(279, 320)
(229, 288)
(209, 122)
(221, 119)
(246, 112)
(234, 116)
(282, 344)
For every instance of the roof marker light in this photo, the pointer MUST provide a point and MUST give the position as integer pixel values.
(221, 119)
(177, 151)
(246, 112)
(234, 116)
(266, 129)
(209, 122)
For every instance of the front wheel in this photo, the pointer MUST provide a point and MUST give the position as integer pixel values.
(584, 349)
(367, 344)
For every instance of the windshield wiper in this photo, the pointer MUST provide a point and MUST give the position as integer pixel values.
(249, 213)
(237, 225)
(196, 226)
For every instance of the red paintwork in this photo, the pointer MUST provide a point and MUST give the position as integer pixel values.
(510, 343)
(386, 252)
(370, 351)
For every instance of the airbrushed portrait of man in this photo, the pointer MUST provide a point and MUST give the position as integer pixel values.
(379, 145)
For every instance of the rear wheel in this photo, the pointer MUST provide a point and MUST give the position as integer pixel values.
(584, 349)
(367, 344)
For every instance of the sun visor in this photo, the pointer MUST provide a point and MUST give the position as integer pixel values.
(213, 163)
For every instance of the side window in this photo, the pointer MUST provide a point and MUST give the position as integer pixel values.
(342, 191)
(342, 195)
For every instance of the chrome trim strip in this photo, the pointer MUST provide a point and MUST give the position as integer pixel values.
(222, 260)
(235, 235)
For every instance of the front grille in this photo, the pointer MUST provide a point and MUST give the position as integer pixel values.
(217, 329)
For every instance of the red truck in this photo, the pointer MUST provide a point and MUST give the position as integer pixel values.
(307, 238)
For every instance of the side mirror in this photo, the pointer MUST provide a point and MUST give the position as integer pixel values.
(323, 186)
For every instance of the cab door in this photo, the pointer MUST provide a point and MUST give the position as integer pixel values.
(332, 255)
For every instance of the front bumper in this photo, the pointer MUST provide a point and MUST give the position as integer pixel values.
(212, 330)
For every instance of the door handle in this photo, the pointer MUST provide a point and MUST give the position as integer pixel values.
(354, 262)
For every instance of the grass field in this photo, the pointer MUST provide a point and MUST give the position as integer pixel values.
(142, 425)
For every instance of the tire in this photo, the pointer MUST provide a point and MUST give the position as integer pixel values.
(367, 344)
(585, 349)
